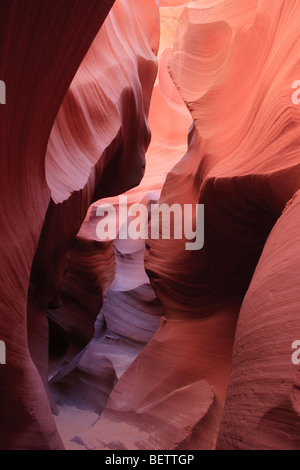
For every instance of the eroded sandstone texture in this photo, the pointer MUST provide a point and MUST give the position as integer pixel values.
(156, 346)
(41, 47)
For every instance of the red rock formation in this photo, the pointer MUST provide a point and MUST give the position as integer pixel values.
(41, 47)
(109, 94)
(90, 271)
(243, 164)
(93, 152)
(262, 405)
(162, 397)
(201, 358)
(127, 321)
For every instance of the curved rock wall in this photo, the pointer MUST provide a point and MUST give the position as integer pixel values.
(96, 148)
(36, 39)
(165, 348)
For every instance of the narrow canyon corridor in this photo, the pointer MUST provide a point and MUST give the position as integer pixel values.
(120, 122)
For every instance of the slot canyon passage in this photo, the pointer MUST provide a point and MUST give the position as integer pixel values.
(134, 344)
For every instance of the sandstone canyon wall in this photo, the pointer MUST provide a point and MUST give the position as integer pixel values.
(42, 45)
(134, 344)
